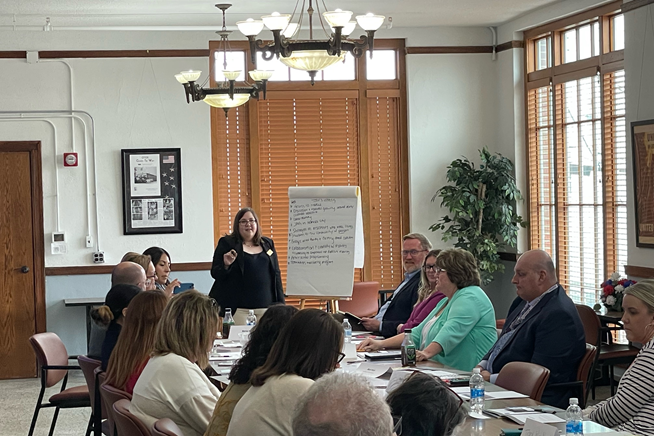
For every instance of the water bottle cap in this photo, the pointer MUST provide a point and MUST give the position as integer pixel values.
(250, 312)
(574, 401)
(407, 331)
(476, 370)
(228, 310)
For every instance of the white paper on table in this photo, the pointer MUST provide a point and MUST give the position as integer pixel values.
(535, 428)
(504, 395)
(462, 391)
(546, 418)
(373, 369)
(233, 355)
(476, 415)
(507, 412)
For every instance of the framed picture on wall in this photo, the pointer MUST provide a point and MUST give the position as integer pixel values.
(642, 142)
(152, 191)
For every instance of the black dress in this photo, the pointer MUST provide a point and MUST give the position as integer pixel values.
(251, 282)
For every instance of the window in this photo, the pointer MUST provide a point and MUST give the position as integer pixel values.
(577, 151)
(347, 129)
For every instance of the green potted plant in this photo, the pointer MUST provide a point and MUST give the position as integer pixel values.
(481, 201)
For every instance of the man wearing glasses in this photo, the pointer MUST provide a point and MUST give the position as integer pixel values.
(397, 309)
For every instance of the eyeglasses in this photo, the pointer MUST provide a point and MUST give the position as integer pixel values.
(397, 425)
(413, 253)
(341, 356)
(440, 270)
(397, 420)
(431, 267)
(150, 279)
(246, 222)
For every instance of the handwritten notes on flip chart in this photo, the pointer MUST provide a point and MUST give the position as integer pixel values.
(325, 240)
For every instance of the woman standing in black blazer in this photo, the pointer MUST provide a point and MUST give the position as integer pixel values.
(246, 269)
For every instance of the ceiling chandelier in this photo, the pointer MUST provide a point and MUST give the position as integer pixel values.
(226, 95)
(310, 55)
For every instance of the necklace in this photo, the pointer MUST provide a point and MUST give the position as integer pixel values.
(248, 245)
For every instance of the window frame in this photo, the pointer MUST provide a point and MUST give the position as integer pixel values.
(603, 64)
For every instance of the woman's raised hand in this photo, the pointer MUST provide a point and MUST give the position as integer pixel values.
(229, 257)
(170, 289)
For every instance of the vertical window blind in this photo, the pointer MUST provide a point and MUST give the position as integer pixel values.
(231, 167)
(310, 141)
(386, 234)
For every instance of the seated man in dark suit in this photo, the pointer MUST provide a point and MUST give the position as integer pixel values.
(543, 327)
(397, 309)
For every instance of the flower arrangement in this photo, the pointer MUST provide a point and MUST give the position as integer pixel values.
(613, 292)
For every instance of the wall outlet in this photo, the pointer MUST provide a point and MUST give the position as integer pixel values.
(89, 241)
(98, 257)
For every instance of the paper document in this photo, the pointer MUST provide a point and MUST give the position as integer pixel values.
(546, 418)
(373, 369)
(535, 428)
(504, 395)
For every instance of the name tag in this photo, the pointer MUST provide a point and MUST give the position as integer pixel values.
(269, 252)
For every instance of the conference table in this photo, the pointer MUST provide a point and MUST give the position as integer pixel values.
(471, 426)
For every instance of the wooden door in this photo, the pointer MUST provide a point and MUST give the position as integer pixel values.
(22, 283)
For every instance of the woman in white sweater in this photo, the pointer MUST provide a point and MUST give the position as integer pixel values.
(172, 385)
(631, 409)
(308, 347)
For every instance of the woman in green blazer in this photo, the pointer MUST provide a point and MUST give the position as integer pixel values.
(461, 328)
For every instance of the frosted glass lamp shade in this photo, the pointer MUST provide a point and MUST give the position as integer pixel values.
(250, 27)
(348, 28)
(370, 22)
(276, 21)
(190, 75)
(231, 74)
(337, 18)
(223, 100)
(180, 78)
(259, 75)
(310, 60)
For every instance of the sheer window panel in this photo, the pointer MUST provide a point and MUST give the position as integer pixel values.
(382, 65)
(570, 46)
(617, 32)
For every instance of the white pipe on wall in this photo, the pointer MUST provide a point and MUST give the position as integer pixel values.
(72, 98)
(66, 113)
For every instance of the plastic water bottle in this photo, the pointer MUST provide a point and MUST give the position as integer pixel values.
(574, 425)
(228, 322)
(348, 330)
(408, 350)
(251, 319)
(477, 391)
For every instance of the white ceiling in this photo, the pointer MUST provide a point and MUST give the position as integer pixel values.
(202, 13)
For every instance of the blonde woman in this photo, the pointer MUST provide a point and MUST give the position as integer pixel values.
(631, 409)
(172, 385)
(428, 295)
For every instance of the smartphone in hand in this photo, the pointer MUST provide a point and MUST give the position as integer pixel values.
(183, 287)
